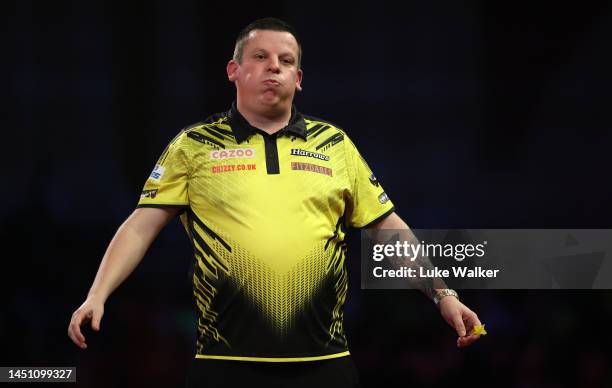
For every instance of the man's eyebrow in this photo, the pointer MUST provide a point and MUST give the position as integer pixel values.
(283, 54)
(286, 54)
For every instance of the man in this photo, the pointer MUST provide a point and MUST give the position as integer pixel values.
(265, 194)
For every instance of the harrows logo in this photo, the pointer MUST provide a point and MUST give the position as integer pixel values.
(308, 154)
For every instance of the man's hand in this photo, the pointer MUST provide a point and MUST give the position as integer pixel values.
(461, 318)
(91, 310)
(123, 254)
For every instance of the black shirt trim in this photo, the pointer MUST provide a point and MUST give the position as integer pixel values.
(379, 218)
(243, 130)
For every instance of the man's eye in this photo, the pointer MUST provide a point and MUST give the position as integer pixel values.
(287, 61)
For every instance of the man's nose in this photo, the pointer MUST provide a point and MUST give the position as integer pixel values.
(274, 65)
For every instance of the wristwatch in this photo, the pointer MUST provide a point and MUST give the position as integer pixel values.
(439, 294)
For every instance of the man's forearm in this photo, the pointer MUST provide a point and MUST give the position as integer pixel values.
(426, 285)
(127, 249)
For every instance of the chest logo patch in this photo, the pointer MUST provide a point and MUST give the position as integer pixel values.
(301, 152)
(233, 153)
(311, 168)
(233, 167)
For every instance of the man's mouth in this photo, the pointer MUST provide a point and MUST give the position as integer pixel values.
(271, 82)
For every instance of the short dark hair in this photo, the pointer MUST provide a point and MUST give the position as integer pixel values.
(271, 24)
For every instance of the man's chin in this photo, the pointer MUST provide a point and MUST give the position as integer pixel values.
(271, 100)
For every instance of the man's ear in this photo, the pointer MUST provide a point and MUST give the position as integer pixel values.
(298, 82)
(232, 70)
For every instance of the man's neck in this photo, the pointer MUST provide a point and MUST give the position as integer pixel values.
(269, 123)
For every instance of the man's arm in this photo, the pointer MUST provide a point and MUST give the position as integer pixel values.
(123, 254)
(456, 314)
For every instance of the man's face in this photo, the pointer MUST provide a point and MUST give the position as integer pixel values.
(268, 74)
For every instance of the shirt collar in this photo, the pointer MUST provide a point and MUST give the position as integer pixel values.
(243, 130)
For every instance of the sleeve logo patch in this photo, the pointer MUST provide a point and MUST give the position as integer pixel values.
(148, 193)
(233, 153)
(383, 198)
(157, 173)
(374, 181)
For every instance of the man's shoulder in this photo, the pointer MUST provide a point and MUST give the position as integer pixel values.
(314, 121)
(316, 126)
(214, 129)
(215, 120)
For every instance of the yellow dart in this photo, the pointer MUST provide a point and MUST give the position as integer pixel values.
(479, 329)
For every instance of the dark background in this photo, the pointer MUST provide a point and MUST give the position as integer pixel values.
(472, 114)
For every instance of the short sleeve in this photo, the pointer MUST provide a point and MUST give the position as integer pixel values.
(367, 200)
(167, 185)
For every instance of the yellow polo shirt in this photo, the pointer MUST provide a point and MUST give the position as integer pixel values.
(267, 216)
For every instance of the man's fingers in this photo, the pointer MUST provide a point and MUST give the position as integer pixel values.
(458, 324)
(78, 321)
(95, 322)
(467, 341)
(472, 320)
(74, 330)
(71, 334)
(75, 334)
